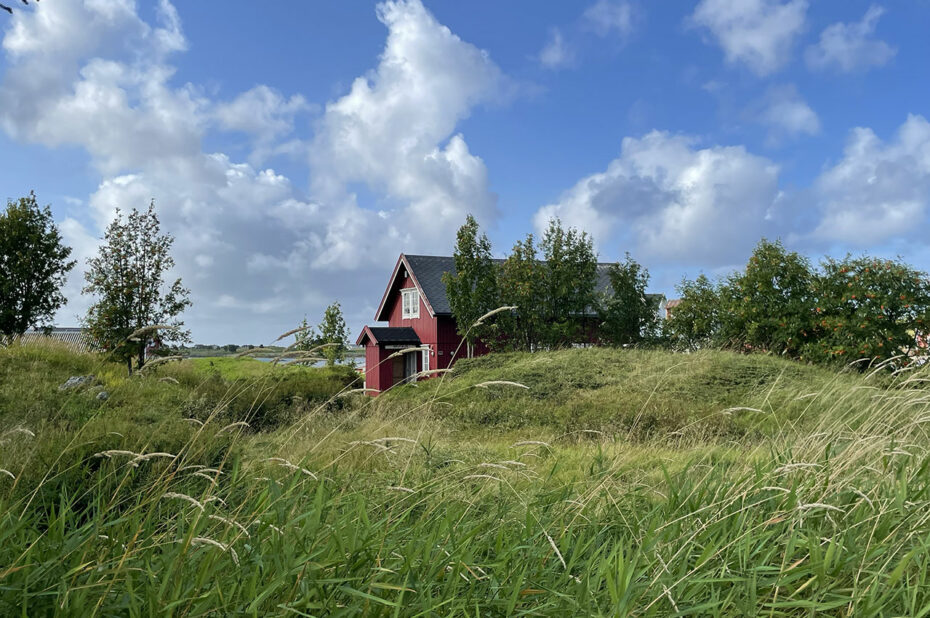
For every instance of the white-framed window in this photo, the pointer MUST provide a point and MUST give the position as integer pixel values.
(411, 300)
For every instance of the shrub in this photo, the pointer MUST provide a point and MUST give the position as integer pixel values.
(770, 305)
(695, 322)
(849, 309)
(868, 308)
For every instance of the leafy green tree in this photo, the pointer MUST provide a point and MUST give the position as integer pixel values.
(472, 289)
(333, 330)
(127, 279)
(848, 310)
(305, 338)
(520, 282)
(770, 305)
(33, 267)
(627, 314)
(569, 277)
(868, 308)
(696, 321)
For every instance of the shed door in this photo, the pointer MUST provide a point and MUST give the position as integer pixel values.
(398, 371)
(410, 366)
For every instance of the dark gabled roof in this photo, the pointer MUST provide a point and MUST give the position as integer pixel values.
(389, 335)
(428, 271)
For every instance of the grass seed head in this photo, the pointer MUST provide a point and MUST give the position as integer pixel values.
(230, 522)
(200, 540)
(233, 426)
(501, 383)
(19, 430)
(492, 312)
(176, 496)
(403, 489)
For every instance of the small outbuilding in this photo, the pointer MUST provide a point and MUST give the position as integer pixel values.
(421, 334)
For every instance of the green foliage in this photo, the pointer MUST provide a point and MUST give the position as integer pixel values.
(472, 289)
(769, 306)
(553, 293)
(569, 276)
(333, 330)
(520, 281)
(627, 314)
(305, 338)
(854, 309)
(696, 321)
(127, 278)
(33, 267)
(868, 308)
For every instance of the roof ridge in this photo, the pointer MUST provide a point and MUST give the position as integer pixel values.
(496, 259)
(428, 270)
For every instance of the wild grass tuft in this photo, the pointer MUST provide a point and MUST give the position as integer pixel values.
(638, 497)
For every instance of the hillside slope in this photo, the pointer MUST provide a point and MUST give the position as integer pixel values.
(449, 498)
(639, 392)
(244, 389)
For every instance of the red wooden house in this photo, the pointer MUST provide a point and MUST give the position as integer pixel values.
(420, 320)
(417, 311)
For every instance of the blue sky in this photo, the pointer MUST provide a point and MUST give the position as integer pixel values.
(294, 151)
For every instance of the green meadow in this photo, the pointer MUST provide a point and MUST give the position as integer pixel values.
(590, 482)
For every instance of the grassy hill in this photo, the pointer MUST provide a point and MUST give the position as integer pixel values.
(618, 482)
(641, 394)
(249, 389)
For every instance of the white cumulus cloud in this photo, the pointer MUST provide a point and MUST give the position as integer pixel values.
(556, 53)
(786, 114)
(257, 251)
(261, 111)
(395, 131)
(757, 33)
(878, 190)
(605, 17)
(847, 47)
(667, 199)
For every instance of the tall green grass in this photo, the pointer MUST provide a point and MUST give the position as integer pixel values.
(634, 394)
(399, 507)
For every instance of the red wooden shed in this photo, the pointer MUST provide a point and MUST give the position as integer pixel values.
(420, 321)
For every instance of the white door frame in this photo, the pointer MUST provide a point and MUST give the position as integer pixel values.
(410, 367)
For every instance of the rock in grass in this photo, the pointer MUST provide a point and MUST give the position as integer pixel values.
(75, 382)
(103, 396)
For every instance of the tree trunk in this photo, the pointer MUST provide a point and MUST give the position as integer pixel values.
(129, 364)
(141, 353)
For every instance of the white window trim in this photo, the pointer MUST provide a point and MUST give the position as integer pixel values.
(410, 308)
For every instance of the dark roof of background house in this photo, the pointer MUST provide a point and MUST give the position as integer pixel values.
(75, 338)
(393, 334)
(428, 270)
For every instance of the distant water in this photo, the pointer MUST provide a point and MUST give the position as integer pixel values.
(360, 363)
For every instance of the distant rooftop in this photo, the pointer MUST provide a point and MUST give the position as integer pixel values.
(75, 337)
